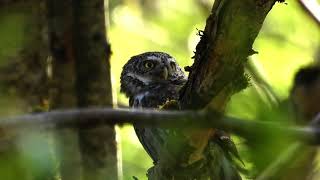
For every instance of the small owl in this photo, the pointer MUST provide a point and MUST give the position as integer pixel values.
(149, 80)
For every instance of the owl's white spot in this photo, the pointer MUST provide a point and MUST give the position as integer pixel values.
(138, 98)
(153, 58)
(171, 59)
(145, 80)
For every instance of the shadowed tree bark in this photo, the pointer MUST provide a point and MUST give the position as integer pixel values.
(81, 78)
(216, 74)
(62, 81)
(22, 77)
(93, 87)
(24, 73)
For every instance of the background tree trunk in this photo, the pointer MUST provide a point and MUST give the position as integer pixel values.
(62, 80)
(23, 83)
(81, 78)
(93, 86)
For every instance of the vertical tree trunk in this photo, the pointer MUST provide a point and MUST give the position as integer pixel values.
(81, 78)
(93, 86)
(23, 78)
(62, 91)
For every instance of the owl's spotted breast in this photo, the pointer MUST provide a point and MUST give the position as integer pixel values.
(154, 139)
(156, 96)
(150, 80)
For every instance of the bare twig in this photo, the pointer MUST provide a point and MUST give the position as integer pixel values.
(182, 119)
(282, 161)
(261, 83)
(98, 116)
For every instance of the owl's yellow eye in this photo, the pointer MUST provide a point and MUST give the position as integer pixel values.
(148, 64)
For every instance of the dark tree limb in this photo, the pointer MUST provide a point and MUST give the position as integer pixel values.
(93, 117)
(223, 49)
(81, 78)
(218, 70)
(62, 89)
(24, 73)
(23, 78)
(93, 88)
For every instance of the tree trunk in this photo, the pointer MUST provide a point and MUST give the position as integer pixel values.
(23, 84)
(216, 74)
(93, 87)
(81, 77)
(62, 90)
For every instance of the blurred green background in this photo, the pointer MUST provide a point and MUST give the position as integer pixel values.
(288, 40)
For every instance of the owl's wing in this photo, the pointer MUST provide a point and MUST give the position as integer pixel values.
(162, 142)
(153, 139)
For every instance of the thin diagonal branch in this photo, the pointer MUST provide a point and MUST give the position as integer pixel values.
(286, 158)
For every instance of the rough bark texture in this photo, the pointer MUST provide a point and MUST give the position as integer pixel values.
(81, 78)
(93, 86)
(25, 72)
(221, 54)
(23, 77)
(62, 90)
(217, 73)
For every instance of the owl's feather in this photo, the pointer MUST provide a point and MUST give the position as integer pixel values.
(153, 139)
(150, 80)
(149, 88)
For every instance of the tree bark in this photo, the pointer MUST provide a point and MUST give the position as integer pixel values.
(93, 86)
(23, 78)
(24, 73)
(216, 74)
(62, 90)
(226, 42)
(81, 77)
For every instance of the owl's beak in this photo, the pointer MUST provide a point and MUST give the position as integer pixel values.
(165, 73)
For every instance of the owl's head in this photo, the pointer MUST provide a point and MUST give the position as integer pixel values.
(150, 69)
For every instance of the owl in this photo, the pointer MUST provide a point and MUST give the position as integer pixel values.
(149, 80)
